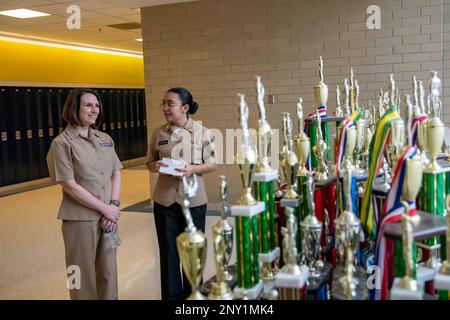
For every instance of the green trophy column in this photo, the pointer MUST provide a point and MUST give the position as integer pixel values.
(260, 193)
(302, 191)
(247, 251)
(432, 200)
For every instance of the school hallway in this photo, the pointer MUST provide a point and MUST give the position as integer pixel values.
(32, 262)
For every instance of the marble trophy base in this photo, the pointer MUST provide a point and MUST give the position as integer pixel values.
(247, 211)
(285, 280)
(424, 274)
(442, 282)
(402, 294)
(264, 176)
(250, 293)
(292, 203)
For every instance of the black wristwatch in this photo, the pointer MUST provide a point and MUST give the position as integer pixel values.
(115, 203)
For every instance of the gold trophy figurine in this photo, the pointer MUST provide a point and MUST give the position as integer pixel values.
(301, 143)
(416, 108)
(223, 246)
(320, 150)
(339, 112)
(321, 89)
(246, 156)
(264, 132)
(288, 158)
(191, 244)
(434, 128)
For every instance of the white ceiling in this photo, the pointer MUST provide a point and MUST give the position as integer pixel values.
(95, 16)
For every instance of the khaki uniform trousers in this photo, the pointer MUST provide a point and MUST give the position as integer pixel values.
(87, 247)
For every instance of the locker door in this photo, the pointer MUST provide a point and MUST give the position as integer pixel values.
(139, 124)
(49, 130)
(31, 130)
(103, 127)
(132, 139)
(144, 121)
(109, 113)
(20, 142)
(120, 123)
(6, 146)
(42, 129)
(126, 125)
(57, 115)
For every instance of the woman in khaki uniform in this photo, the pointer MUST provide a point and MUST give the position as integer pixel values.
(180, 138)
(84, 162)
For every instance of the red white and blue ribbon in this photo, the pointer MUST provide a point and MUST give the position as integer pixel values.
(392, 211)
(415, 125)
(342, 142)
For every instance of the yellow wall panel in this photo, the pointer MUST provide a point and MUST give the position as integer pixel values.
(38, 63)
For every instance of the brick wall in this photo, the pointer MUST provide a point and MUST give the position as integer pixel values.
(216, 47)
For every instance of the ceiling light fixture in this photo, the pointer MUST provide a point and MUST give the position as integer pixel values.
(13, 37)
(23, 13)
(139, 39)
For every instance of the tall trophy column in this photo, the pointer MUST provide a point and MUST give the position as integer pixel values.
(246, 213)
(263, 190)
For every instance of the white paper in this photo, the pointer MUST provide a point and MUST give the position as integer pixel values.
(172, 165)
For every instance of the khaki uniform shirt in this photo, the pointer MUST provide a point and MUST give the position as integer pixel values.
(194, 144)
(90, 162)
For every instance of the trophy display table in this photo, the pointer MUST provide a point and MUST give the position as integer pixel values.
(429, 226)
(317, 287)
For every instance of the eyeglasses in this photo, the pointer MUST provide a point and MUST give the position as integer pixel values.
(168, 104)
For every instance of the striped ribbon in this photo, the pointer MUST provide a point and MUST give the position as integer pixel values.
(415, 125)
(342, 138)
(376, 152)
(392, 211)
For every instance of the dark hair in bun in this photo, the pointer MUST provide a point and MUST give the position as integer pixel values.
(186, 98)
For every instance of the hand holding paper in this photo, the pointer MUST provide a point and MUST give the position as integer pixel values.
(172, 165)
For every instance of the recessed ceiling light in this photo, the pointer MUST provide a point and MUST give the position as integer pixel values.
(140, 39)
(23, 13)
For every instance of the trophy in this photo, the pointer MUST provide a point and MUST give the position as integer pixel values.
(352, 92)
(321, 89)
(223, 246)
(366, 152)
(381, 109)
(411, 187)
(360, 143)
(434, 128)
(347, 98)
(392, 91)
(191, 244)
(263, 130)
(397, 143)
(302, 144)
(246, 156)
(292, 278)
(339, 112)
(311, 233)
(288, 158)
(350, 144)
(320, 150)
